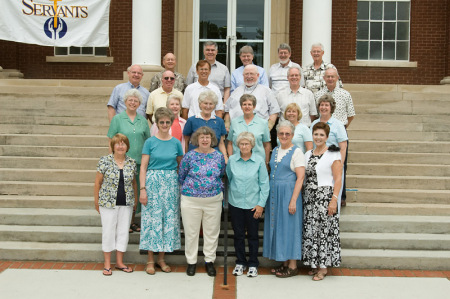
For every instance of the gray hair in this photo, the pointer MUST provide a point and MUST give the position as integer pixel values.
(332, 67)
(204, 131)
(247, 97)
(285, 124)
(284, 46)
(208, 95)
(246, 49)
(163, 112)
(252, 66)
(209, 43)
(294, 67)
(317, 45)
(173, 97)
(132, 93)
(246, 136)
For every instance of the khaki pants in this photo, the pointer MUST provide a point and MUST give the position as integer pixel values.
(197, 211)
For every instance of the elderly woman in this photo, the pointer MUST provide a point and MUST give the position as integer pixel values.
(114, 195)
(302, 135)
(321, 241)
(250, 122)
(207, 101)
(160, 218)
(176, 130)
(200, 176)
(247, 193)
(283, 220)
(136, 128)
(337, 135)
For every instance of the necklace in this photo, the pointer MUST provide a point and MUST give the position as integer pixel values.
(321, 152)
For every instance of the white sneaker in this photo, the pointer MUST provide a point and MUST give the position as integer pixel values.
(239, 270)
(252, 272)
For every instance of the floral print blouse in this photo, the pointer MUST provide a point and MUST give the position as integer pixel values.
(111, 174)
(200, 174)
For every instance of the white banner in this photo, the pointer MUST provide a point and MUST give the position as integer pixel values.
(78, 23)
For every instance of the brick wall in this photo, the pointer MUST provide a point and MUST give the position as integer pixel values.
(430, 46)
(168, 27)
(295, 30)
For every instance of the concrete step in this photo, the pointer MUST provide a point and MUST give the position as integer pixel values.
(408, 196)
(54, 129)
(398, 169)
(47, 202)
(356, 208)
(54, 140)
(397, 182)
(58, 92)
(47, 175)
(399, 146)
(437, 106)
(81, 112)
(395, 241)
(60, 83)
(351, 258)
(54, 120)
(50, 217)
(399, 118)
(355, 134)
(53, 151)
(400, 127)
(46, 188)
(398, 158)
(395, 224)
(396, 259)
(49, 162)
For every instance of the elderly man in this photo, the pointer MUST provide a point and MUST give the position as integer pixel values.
(219, 72)
(158, 97)
(303, 97)
(278, 78)
(246, 55)
(190, 103)
(266, 103)
(314, 72)
(345, 112)
(116, 105)
(169, 63)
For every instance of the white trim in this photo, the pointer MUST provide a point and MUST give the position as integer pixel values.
(382, 63)
(85, 59)
(267, 33)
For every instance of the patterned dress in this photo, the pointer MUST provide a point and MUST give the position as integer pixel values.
(160, 218)
(321, 241)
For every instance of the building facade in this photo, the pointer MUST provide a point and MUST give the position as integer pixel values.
(369, 41)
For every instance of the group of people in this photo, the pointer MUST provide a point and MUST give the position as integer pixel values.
(227, 124)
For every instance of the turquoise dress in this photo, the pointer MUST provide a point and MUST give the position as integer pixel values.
(160, 218)
(282, 231)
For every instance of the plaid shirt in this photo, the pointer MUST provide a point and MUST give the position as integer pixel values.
(314, 78)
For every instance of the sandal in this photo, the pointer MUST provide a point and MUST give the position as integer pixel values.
(313, 272)
(287, 272)
(135, 227)
(164, 267)
(108, 271)
(125, 269)
(319, 276)
(280, 268)
(150, 270)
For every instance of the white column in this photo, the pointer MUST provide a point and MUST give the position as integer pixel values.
(146, 35)
(316, 28)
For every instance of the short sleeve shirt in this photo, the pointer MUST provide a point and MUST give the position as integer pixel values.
(195, 122)
(163, 153)
(344, 103)
(116, 99)
(337, 131)
(190, 99)
(303, 97)
(220, 75)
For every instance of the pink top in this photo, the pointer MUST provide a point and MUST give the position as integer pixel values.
(173, 131)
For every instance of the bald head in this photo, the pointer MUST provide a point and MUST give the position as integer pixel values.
(251, 75)
(135, 74)
(169, 61)
(331, 77)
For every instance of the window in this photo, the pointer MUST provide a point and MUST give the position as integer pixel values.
(81, 51)
(383, 30)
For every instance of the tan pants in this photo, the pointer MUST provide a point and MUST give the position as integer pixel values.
(196, 211)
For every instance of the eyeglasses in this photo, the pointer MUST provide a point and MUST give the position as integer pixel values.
(167, 122)
(169, 78)
(284, 134)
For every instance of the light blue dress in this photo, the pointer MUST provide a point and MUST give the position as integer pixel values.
(160, 219)
(282, 231)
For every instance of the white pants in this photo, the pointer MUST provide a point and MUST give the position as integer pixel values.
(115, 225)
(196, 211)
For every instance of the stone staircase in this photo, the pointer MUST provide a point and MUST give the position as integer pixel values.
(53, 133)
